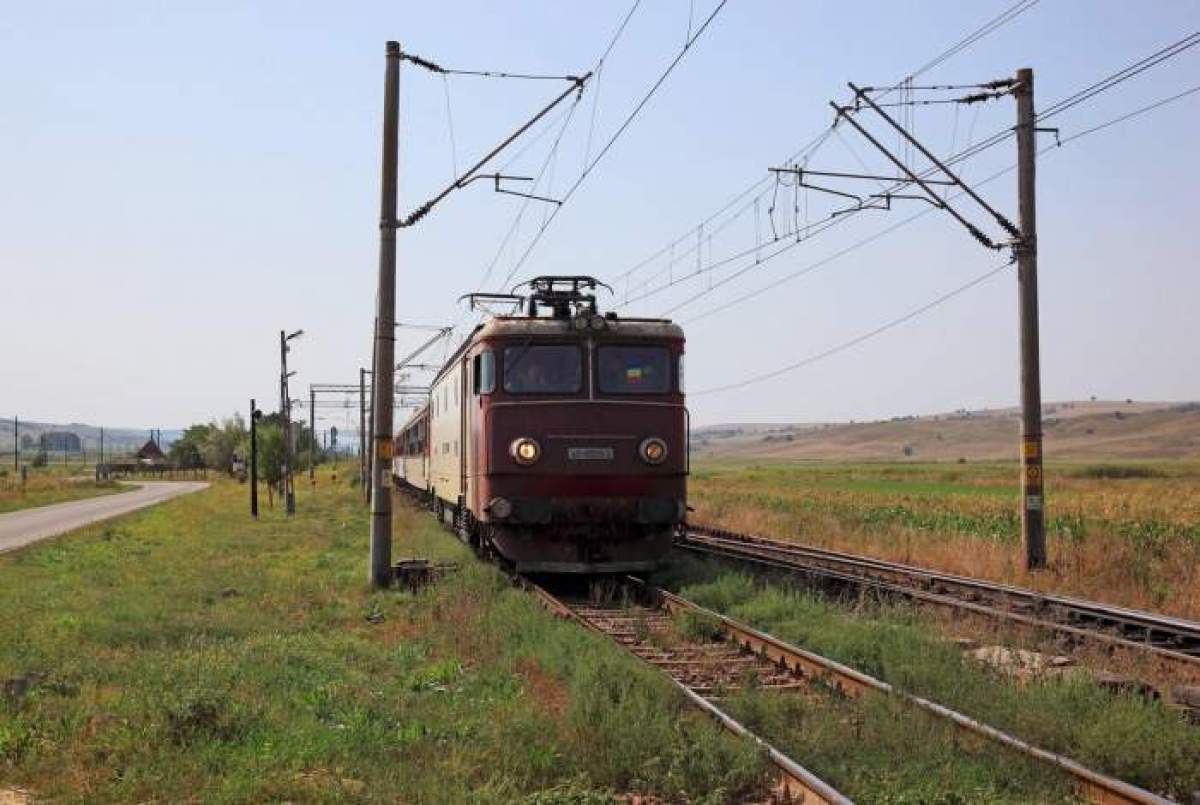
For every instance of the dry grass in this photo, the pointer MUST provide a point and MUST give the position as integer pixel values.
(1131, 541)
(1073, 431)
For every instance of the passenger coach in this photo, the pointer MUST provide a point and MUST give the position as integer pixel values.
(558, 439)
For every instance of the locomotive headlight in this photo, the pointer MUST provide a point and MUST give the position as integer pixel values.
(598, 323)
(653, 450)
(525, 451)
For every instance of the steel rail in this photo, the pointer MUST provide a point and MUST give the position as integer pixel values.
(1092, 785)
(1171, 638)
(795, 782)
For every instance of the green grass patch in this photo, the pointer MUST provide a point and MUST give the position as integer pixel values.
(188, 652)
(878, 751)
(44, 492)
(948, 484)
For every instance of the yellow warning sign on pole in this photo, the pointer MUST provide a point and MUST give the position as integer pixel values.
(383, 447)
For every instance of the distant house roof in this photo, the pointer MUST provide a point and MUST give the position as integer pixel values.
(150, 452)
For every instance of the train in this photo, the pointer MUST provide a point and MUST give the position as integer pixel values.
(556, 437)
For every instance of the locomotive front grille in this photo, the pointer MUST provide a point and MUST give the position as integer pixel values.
(585, 510)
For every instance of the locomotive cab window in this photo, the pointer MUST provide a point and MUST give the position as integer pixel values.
(543, 369)
(484, 373)
(633, 369)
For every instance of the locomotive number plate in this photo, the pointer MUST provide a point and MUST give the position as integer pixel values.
(590, 453)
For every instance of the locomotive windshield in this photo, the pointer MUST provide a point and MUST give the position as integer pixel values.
(543, 369)
(634, 370)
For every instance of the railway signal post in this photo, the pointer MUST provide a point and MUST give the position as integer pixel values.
(1033, 500)
(382, 376)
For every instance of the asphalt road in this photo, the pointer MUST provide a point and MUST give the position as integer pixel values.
(20, 528)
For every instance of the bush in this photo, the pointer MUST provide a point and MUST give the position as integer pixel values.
(699, 626)
(199, 715)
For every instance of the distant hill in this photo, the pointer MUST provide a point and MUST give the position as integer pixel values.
(1073, 430)
(115, 439)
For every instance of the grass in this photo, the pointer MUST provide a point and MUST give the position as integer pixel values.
(878, 752)
(187, 653)
(1126, 533)
(1123, 735)
(876, 749)
(44, 488)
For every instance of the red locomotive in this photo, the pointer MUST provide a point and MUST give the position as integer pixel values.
(557, 439)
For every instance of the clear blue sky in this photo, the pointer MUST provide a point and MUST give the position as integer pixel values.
(180, 180)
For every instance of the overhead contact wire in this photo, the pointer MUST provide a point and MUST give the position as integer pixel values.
(912, 314)
(987, 28)
(616, 135)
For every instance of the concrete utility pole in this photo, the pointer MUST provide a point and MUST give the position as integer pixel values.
(312, 437)
(16, 445)
(362, 431)
(1033, 501)
(289, 503)
(253, 459)
(285, 409)
(385, 336)
(101, 444)
(371, 417)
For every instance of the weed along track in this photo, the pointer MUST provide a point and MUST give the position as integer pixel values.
(1173, 639)
(713, 658)
(704, 670)
(738, 675)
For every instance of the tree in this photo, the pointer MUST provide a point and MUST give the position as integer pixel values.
(188, 450)
(270, 457)
(223, 441)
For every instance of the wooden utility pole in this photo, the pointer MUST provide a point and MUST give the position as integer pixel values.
(1033, 499)
(382, 376)
(253, 459)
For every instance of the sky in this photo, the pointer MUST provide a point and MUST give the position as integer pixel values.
(179, 181)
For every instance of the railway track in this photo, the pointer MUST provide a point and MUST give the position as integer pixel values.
(1173, 639)
(703, 672)
(706, 672)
